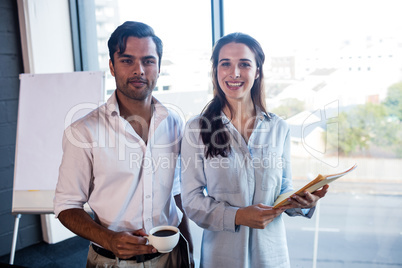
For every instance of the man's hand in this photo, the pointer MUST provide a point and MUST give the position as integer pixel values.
(257, 216)
(126, 245)
(123, 244)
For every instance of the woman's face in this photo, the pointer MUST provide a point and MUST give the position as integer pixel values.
(237, 70)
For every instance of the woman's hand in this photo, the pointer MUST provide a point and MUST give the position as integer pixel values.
(308, 200)
(257, 216)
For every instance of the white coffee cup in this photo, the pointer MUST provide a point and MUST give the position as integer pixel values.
(164, 238)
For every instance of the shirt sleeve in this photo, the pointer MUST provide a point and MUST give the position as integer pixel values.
(287, 184)
(177, 179)
(304, 212)
(177, 173)
(75, 172)
(202, 209)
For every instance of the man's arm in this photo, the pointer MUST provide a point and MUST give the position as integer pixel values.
(122, 244)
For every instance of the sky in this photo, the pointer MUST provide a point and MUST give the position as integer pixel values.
(308, 23)
(283, 27)
(180, 24)
(277, 24)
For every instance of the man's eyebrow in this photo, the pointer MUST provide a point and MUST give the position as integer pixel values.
(149, 57)
(132, 57)
(122, 55)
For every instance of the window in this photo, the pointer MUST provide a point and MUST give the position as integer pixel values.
(313, 51)
(356, 224)
(184, 76)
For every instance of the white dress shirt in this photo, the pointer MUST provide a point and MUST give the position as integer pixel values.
(128, 184)
(214, 189)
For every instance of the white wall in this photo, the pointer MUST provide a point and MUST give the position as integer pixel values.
(47, 48)
(46, 36)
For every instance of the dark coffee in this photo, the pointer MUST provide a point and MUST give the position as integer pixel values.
(163, 233)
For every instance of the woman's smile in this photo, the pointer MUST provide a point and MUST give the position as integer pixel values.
(234, 85)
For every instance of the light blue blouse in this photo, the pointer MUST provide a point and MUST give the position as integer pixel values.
(214, 189)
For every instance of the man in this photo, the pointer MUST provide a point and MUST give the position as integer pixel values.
(121, 159)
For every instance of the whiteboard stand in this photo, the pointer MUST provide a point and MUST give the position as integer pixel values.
(15, 235)
(58, 100)
(61, 234)
(40, 202)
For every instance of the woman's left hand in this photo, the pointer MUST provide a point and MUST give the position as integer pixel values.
(308, 200)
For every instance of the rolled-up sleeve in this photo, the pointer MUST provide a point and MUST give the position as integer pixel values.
(75, 173)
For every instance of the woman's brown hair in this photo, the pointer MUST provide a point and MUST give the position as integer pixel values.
(213, 131)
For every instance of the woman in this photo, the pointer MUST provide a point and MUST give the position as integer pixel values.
(236, 161)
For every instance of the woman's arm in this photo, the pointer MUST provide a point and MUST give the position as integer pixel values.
(204, 210)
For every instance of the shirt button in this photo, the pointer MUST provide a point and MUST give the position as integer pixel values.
(149, 219)
(148, 196)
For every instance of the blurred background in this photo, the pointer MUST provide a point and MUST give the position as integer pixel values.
(333, 70)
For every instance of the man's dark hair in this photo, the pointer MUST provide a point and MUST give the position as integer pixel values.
(118, 39)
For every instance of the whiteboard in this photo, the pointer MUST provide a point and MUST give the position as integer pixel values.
(48, 103)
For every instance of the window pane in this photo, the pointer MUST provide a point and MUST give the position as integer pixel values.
(185, 30)
(333, 71)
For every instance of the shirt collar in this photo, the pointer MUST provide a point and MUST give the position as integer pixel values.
(260, 116)
(160, 111)
(112, 107)
(225, 119)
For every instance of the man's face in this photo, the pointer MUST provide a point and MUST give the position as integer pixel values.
(136, 70)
